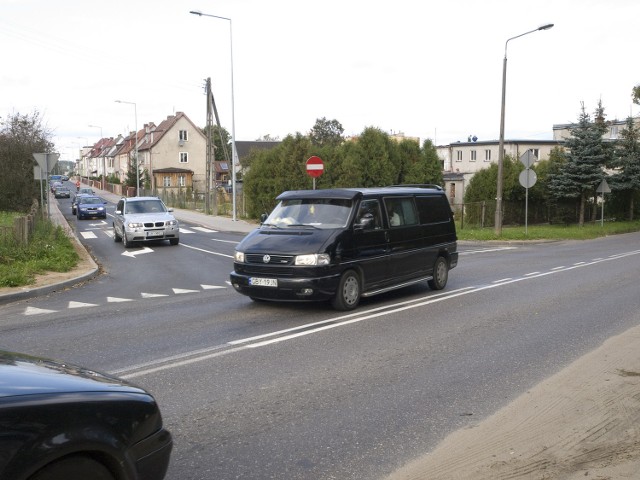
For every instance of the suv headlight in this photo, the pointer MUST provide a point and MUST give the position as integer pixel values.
(316, 259)
(171, 222)
(135, 225)
(238, 257)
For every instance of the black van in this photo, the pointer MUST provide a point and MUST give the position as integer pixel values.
(347, 243)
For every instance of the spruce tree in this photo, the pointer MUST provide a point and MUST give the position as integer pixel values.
(627, 164)
(587, 154)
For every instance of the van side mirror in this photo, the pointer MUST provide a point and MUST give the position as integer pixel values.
(365, 222)
(263, 217)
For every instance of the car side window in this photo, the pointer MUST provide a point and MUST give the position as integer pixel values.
(400, 211)
(120, 206)
(369, 215)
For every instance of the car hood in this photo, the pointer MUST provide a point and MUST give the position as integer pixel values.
(287, 241)
(26, 375)
(149, 217)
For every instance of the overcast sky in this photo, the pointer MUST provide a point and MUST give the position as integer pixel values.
(429, 69)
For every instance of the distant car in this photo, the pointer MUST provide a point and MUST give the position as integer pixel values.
(62, 421)
(89, 206)
(55, 185)
(65, 178)
(144, 219)
(86, 190)
(76, 199)
(62, 192)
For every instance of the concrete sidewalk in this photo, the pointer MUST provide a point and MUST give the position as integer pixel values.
(87, 267)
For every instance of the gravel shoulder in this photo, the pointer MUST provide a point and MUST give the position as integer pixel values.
(582, 423)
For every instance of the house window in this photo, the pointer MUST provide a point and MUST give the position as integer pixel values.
(182, 180)
(184, 157)
(614, 132)
(166, 181)
(473, 155)
(452, 191)
(536, 152)
(183, 135)
(487, 155)
(459, 155)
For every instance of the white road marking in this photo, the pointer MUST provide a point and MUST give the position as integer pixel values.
(184, 230)
(116, 299)
(81, 305)
(179, 291)
(88, 235)
(153, 295)
(133, 253)
(210, 287)
(37, 311)
(205, 230)
(207, 251)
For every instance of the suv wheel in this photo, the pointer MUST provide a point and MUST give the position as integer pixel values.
(348, 293)
(116, 238)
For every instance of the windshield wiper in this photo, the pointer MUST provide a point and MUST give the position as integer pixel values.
(304, 225)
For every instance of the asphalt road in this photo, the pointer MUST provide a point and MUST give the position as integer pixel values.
(299, 391)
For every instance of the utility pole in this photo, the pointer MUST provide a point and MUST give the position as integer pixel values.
(211, 106)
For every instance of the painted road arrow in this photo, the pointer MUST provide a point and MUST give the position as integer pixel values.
(133, 253)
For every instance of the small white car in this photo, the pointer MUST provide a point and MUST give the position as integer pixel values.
(144, 219)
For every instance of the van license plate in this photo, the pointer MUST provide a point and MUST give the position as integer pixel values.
(263, 282)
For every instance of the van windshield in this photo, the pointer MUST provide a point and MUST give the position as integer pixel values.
(312, 212)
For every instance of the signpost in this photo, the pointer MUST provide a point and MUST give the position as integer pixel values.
(315, 168)
(603, 188)
(46, 161)
(528, 179)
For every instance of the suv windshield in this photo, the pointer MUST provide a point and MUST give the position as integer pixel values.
(145, 206)
(314, 212)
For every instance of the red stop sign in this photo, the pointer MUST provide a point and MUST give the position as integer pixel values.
(315, 167)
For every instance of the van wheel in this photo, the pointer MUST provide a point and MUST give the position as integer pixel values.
(348, 294)
(440, 274)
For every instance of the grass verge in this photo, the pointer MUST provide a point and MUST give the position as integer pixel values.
(549, 232)
(49, 250)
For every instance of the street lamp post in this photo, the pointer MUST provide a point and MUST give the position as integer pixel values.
(234, 152)
(498, 220)
(103, 184)
(135, 112)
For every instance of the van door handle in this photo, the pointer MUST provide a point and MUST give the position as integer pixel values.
(386, 236)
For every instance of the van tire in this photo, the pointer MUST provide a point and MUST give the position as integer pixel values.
(440, 274)
(349, 290)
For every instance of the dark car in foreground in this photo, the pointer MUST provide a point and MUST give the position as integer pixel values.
(62, 421)
(88, 206)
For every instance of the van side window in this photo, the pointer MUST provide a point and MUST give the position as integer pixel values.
(369, 216)
(401, 211)
(433, 209)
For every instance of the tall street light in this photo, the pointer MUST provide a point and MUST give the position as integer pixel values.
(135, 112)
(103, 184)
(234, 153)
(498, 221)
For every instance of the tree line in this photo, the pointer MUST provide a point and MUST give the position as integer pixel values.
(20, 137)
(566, 190)
(370, 159)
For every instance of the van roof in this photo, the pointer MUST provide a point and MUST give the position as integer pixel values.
(351, 193)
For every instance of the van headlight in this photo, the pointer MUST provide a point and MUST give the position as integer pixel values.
(316, 259)
(238, 257)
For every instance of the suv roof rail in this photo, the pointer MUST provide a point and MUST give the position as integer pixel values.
(418, 185)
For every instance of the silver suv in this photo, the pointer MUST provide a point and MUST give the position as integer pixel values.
(144, 219)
